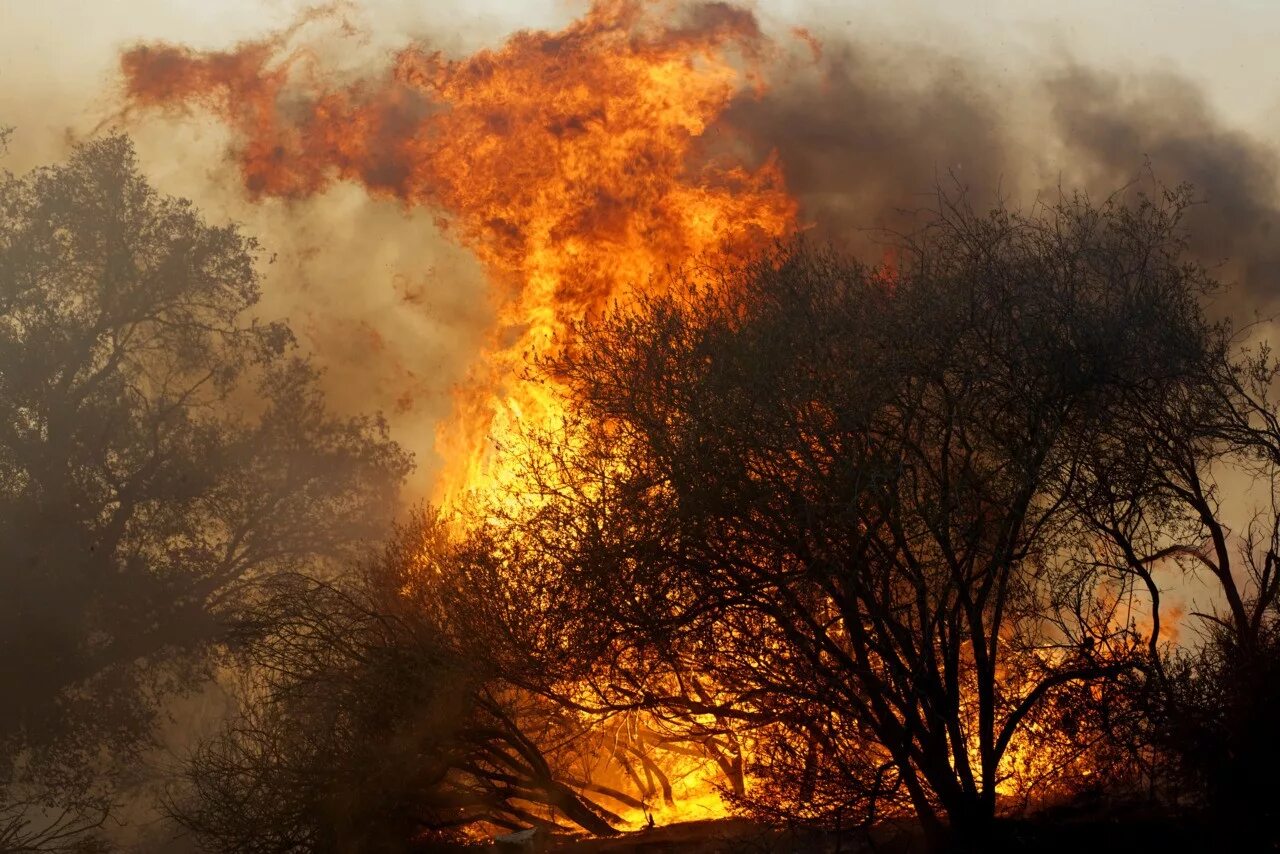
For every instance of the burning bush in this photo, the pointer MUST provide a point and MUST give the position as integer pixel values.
(373, 717)
(835, 510)
(865, 541)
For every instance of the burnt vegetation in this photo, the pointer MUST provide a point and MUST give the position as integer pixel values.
(867, 545)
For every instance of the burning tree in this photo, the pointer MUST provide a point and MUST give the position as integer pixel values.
(827, 517)
(870, 541)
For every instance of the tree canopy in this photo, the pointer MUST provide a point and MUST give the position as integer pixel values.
(832, 515)
(160, 452)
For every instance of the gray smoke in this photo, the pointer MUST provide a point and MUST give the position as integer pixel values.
(862, 142)
(1111, 124)
(866, 137)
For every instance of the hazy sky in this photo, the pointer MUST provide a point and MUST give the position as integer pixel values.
(57, 56)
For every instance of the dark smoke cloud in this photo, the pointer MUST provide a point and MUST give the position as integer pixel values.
(863, 140)
(1110, 124)
(866, 137)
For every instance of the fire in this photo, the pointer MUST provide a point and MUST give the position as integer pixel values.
(576, 165)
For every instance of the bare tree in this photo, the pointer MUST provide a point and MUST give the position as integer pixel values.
(374, 719)
(825, 515)
(160, 451)
(1190, 489)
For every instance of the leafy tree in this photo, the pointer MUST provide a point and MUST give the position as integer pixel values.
(827, 517)
(160, 452)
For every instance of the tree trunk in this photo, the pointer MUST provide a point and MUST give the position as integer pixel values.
(971, 825)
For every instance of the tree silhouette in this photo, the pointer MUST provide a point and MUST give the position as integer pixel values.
(376, 718)
(160, 452)
(1190, 489)
(832, 509)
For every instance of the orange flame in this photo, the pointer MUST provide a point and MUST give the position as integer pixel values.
(576, 165)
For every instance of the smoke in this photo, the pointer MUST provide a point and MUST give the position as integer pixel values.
(863, 134)
(1110, 124)
(867, 132)
(390, 307)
